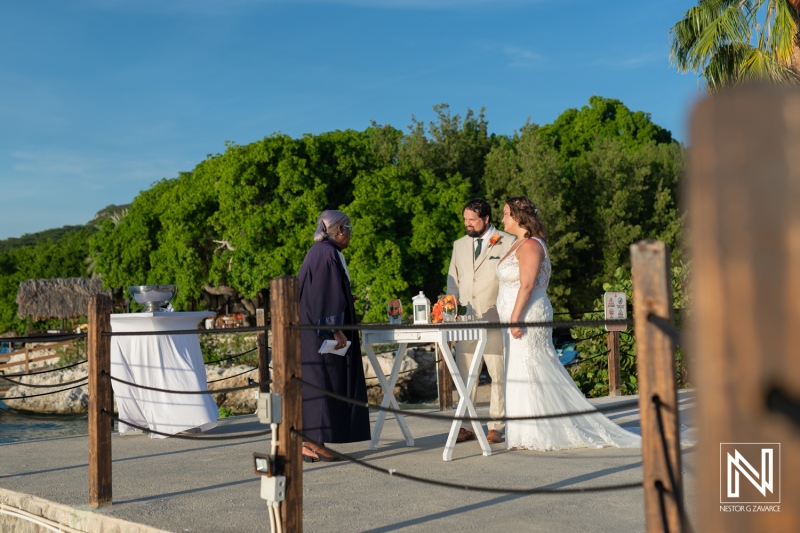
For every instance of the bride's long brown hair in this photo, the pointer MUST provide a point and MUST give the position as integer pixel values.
(525, 213)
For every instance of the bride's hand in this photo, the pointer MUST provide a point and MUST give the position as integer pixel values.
(516, 332)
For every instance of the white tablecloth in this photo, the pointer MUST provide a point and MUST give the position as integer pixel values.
(172, 362)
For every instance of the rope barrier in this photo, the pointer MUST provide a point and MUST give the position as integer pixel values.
(196, 331)
(215, 391)
(43, 394)
(187, 437)
(42, 386)
(228, 358)
(23, 414)
(234, 376)
(578, 361)
(591, 337)
(460, 486)
(44, 338)
(464, 325)
(367, 405)
(666, 328)
(780, 402)
(670, 470)
(44, 371)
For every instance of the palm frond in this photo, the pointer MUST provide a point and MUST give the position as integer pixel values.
(784, 32)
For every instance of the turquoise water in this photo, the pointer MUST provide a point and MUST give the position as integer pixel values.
(14, 428)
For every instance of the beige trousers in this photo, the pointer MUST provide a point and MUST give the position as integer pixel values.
(495, 365)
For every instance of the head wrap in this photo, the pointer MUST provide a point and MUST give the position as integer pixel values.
(328, 222)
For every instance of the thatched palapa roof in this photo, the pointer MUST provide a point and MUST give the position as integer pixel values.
(57, 298)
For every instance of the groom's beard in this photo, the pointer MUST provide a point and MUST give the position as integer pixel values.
(475, 233)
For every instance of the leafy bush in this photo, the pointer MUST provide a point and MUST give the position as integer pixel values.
(216, 347)
(591, 375)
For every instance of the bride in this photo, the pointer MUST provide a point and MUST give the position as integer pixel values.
(536, 381)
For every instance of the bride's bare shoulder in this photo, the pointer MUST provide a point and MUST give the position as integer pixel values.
(532, 248)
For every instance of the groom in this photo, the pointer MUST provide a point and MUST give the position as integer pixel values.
(472, 279)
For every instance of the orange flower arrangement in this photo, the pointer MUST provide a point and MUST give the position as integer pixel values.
(446, 304)
(494, 240)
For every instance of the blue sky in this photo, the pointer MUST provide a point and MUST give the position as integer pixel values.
(101, 98)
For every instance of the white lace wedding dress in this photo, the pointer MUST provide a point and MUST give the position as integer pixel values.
(536, 381)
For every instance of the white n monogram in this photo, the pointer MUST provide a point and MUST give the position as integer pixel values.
(738, 464)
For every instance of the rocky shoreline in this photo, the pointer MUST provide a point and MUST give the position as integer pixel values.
(416, 383)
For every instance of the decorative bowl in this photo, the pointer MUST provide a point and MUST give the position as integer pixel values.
(153, 297)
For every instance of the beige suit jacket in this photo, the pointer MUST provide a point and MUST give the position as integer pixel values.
(474, 281)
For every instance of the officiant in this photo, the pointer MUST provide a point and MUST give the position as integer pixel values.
(326, 299)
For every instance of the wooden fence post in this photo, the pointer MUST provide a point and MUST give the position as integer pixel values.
(743, 199)
(98, 350)
(27, 358)
(445, 382)
(286, 364)
(263, 352)
(658, 399)
(614, 377)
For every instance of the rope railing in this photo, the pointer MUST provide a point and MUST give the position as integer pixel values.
(678, 497)
(44, 338)
(778, 401)
(16, 374)
(234, 376)
(228, 358)
(184, 436)
(601, 334)
(666, 327)
(447, 418)
(579, 361)
(44, 393)
(463, 486)
(42, 386)
(36, 416)
(554, 324)
(196, 331)
(214, 391)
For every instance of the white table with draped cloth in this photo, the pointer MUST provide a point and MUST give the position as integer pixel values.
(170, 362)
(441, 336)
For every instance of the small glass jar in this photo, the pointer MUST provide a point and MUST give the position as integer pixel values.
(449, 308)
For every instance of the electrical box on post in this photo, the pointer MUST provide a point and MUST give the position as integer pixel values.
(273, 489)
(269, 408)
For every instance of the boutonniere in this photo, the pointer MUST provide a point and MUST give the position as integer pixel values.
(494, 240)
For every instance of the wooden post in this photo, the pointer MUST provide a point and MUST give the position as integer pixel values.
(286, 364)
(98, 350)
(743, 199)
(263, 351)
(614, 377)
(445, 381)
(27, 358)
(652, 295)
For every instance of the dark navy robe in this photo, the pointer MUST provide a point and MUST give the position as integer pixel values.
(327, 300)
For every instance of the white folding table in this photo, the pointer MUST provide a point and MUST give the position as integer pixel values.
(441, 337)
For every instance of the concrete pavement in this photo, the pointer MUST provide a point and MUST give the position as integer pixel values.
(199, 486)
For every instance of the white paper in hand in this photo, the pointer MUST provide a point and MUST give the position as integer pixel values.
(329, 346)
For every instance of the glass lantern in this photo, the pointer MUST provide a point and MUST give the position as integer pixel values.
(422, 309)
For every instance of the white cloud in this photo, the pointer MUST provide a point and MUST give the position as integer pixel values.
(522, 57)
(630, 62)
